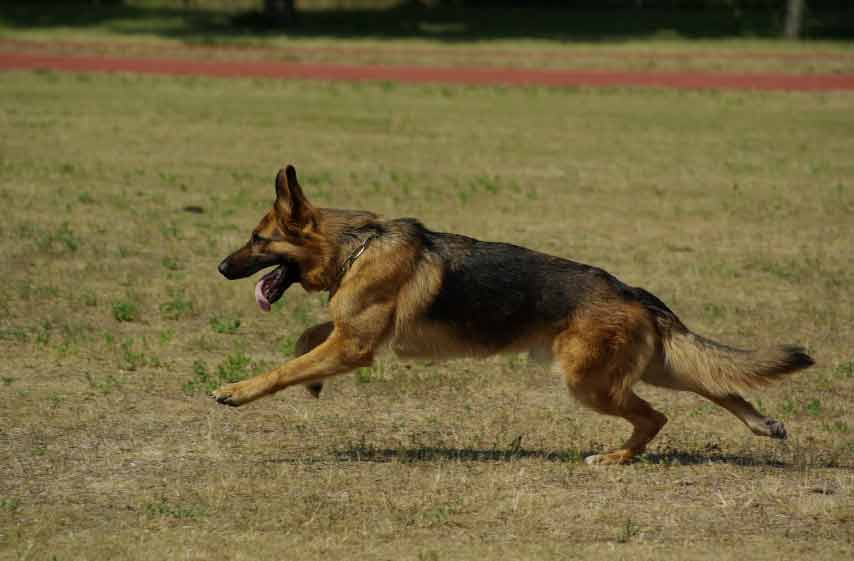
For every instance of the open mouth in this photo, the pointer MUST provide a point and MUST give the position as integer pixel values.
(272, 285)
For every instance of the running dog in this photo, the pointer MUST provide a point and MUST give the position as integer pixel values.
(394, 283)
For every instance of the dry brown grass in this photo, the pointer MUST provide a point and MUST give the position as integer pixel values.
(735, 208)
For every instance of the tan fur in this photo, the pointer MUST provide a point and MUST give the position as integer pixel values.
(603, 353)
(691, 362)
(695, 363)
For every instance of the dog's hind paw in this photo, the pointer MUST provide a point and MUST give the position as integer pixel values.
(769, 427)
(611, 458)
(776, 429)
(593, 460)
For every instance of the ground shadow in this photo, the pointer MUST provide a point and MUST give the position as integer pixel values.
(433, 454)
(430, 454)
(414, 20)
(699, 458)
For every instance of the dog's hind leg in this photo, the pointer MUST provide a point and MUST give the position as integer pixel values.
(646, 423)
(757, 422)
(310, 338)
(602, 354)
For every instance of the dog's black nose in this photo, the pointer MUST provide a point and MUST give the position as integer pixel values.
(223, 268)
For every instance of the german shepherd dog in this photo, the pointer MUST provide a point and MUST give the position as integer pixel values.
(428, 294)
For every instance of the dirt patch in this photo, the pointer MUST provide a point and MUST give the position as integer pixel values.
(419, 74)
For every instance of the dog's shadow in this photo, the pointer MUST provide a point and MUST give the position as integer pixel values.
(432, 454)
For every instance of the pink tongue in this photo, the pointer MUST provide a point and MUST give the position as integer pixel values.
(263, 303)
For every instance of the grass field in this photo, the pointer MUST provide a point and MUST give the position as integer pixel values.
(735, 208)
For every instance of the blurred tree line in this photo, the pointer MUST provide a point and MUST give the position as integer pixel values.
(794, 9)
(285, 13)
(280, 12)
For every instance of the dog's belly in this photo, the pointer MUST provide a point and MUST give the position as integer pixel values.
(442, 341)
(430, 339)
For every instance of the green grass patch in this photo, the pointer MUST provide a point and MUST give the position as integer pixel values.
(125, 310)
(178, 306)
(9, 505)
(165, 509)
(61, 239)
(225, 325)
(233, 368)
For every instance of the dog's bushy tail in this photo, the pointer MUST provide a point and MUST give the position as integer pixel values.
(721, 370)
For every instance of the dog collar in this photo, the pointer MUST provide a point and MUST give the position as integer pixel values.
(352, 259)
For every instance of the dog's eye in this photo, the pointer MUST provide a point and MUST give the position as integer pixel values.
(256, 239)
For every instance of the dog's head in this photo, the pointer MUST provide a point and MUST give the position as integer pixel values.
(287, 238)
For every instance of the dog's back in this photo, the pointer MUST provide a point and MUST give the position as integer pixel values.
(496, 295)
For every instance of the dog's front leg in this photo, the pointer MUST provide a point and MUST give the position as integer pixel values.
(336, 355)
(350, 345)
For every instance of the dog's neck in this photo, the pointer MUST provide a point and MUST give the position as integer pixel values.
(364, 237)
(346, 231)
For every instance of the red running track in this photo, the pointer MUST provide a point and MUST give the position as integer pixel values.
(426, 74)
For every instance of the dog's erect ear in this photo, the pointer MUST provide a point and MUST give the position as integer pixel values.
(290, 201)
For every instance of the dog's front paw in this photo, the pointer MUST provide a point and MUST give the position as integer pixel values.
(233, 394)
